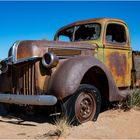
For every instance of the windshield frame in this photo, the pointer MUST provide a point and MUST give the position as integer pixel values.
(59, 33)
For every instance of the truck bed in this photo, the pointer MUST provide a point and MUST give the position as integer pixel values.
(136, 67)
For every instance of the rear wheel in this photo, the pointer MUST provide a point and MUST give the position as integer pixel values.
(84, 105)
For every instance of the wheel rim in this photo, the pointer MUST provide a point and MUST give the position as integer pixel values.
(85, 106)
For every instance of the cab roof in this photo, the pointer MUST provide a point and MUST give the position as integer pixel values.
(91, 21)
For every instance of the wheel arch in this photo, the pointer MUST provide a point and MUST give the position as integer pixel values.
(97, 77)
(72, 72)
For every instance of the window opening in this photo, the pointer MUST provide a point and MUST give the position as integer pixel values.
(115, 34)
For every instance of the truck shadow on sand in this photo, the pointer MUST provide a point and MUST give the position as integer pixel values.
(29, 116)
(25, 116)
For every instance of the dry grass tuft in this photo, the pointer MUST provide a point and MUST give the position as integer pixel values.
(62, 124)
(132, 101)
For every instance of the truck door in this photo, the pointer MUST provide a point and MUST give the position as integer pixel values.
(117, 53)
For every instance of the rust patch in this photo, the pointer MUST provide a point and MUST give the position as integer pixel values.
(118, 63)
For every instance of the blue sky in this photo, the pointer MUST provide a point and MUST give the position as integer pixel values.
(40, 20)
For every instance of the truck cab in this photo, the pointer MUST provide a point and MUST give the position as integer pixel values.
(111, 36)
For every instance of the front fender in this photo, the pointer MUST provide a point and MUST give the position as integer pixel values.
(67, 78)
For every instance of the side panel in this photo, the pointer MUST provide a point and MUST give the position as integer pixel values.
(67, 77)
(99, 55)
(118, 53)
(119, 62)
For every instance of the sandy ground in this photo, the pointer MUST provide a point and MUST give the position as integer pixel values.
(112, 124)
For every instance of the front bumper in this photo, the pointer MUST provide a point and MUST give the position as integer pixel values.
(28, 99)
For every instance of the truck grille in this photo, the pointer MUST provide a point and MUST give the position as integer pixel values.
(24, 79)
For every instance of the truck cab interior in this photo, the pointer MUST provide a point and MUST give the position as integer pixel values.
(83, 32)
(115, 33)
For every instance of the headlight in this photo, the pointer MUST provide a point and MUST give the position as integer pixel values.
(49, 60)
(3, 66)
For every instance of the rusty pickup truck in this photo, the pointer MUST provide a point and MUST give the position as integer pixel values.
(89, 64)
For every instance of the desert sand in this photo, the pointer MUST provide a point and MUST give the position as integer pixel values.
(111, 124)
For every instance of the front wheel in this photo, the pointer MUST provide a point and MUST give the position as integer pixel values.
(84, 105)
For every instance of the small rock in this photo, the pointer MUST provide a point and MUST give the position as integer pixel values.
(19, 134)
(56, 132)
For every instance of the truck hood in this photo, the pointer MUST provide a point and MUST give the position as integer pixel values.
(37, 48)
